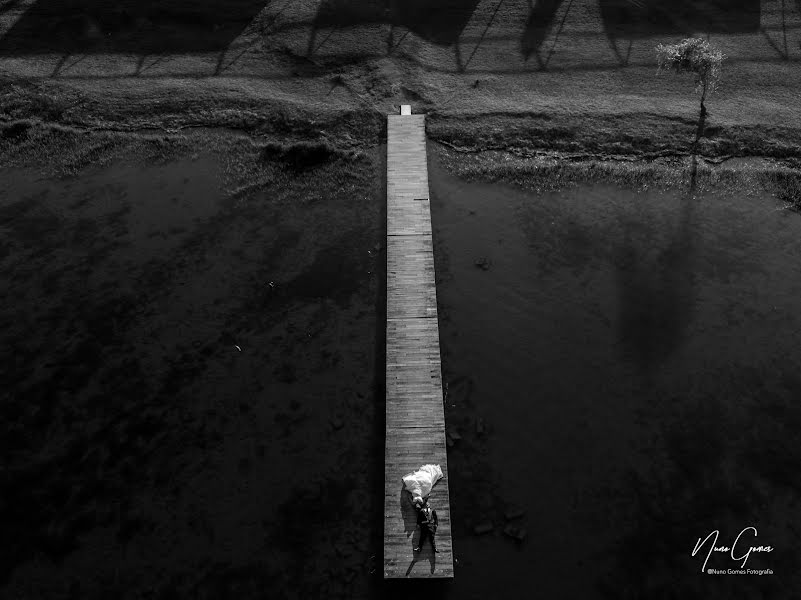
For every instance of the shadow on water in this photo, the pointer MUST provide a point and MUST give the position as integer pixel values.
(656, 297)
(439, 22)
(129, 26)
(657, 300)
(688, 438)
(376, 470)
(710, 479)
(403, 589)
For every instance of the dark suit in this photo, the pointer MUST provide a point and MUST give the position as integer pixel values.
(427, 520)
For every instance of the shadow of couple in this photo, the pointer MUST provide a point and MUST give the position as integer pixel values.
(412, 532)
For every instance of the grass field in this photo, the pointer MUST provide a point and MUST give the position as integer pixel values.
(576, 70)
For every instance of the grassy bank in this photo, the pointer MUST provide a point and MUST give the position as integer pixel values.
(68, 147)
(564, 77)
(181, 108)
(544, 172)
(49, 116)
(633, 135)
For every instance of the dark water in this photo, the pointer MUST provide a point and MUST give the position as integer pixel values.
(635, 358)
(186, 381)
(173, 426)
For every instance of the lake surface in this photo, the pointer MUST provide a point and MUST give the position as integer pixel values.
(188, 380)
(635, 358)
(184, 373)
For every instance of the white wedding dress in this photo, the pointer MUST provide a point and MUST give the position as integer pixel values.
(420, 482)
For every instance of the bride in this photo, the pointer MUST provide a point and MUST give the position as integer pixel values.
(419, 483)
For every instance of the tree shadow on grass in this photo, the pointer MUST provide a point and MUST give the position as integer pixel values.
(626, 18)
(798, 10)
(484, 33)
(541, 15)
(9, 6)
(439, 22)
(629, 20)
(129, 26)
(780, 48)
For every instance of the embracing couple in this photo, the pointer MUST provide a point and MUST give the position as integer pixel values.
(427, 520)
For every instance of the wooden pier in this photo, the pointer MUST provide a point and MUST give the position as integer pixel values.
(414, 404)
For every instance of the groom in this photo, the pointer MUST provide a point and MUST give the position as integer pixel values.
(427, 520)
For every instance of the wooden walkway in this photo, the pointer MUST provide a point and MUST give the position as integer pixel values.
(415, 413)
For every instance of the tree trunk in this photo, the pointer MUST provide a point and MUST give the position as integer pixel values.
(703, 97)
(702, 119)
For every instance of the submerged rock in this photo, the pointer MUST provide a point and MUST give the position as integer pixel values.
(514, 513)
(454, 435)
(482, 263)
(483, 528)
(516, 533)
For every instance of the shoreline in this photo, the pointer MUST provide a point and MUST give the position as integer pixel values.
(567, 135)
